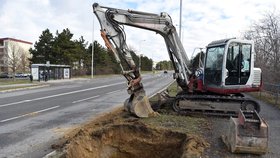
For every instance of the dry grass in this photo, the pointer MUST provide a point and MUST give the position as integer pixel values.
(266, 97)
(184, 124)
(11, 81)
(173, 89)
(170, 120)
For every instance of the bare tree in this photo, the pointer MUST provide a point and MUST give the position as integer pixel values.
(266, 35)
(24, 62)
(13, 56)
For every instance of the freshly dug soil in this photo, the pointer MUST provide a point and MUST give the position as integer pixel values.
(119, 135)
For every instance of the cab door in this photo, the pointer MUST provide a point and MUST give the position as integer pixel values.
(238, 63)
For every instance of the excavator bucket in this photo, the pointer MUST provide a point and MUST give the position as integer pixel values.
(247, 134)
(139, 105)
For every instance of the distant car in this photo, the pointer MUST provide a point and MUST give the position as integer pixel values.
(165, 71)
(21, 75)
(26, 75)
(5, 75)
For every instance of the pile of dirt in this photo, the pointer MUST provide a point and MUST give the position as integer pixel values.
(119, 135)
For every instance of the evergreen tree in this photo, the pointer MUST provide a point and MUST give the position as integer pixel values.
(146, 63)
(79, 56)
(104, 62)
(42, 51)
(164, 65)
(64, 48)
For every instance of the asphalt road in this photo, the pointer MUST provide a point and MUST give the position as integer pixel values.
(32, 120)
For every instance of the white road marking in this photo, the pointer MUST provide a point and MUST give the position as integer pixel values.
(32, 113)
(77, 101)
(62, 94)
(24, 101)
(114, 91)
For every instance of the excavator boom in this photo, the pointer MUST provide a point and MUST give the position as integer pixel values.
(111, 21)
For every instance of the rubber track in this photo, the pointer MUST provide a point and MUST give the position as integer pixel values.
(213, 98)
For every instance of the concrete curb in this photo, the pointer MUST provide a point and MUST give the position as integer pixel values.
(54, 154)
(23, 88)
(162, 89)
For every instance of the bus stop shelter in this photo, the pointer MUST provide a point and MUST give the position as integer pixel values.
(44, 72)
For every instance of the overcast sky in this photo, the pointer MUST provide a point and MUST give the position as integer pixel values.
(203, 20)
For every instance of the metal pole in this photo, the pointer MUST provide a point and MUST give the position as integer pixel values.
(92, 48)
(180, 23)
(180, 26)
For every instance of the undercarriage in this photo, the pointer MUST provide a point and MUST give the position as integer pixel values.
(225, 105)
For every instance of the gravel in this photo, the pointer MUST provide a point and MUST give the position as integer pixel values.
(269, 113)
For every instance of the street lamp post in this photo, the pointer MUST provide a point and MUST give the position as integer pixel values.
(180, 23)
(92, 48)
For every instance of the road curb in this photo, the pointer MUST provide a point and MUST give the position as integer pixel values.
(161, 90)
(53, 154)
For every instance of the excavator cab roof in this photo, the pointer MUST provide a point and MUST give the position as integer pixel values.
(219, 42)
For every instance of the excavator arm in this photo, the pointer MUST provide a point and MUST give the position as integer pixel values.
(112, 23)
(112, 20)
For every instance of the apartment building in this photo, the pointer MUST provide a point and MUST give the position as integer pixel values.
(14, 53)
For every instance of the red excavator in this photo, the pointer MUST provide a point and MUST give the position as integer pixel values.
(214, 87)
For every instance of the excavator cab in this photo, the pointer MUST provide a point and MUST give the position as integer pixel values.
(229, 67)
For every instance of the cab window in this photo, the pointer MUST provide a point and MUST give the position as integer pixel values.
(238, 63)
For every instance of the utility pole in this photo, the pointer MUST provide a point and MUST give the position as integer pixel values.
(92, 48)
(180, 22)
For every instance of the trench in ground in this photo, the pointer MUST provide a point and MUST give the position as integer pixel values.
(133, 140)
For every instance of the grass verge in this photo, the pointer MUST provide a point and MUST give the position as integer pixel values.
(184, 124)
(12, 82)
(266, 97)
